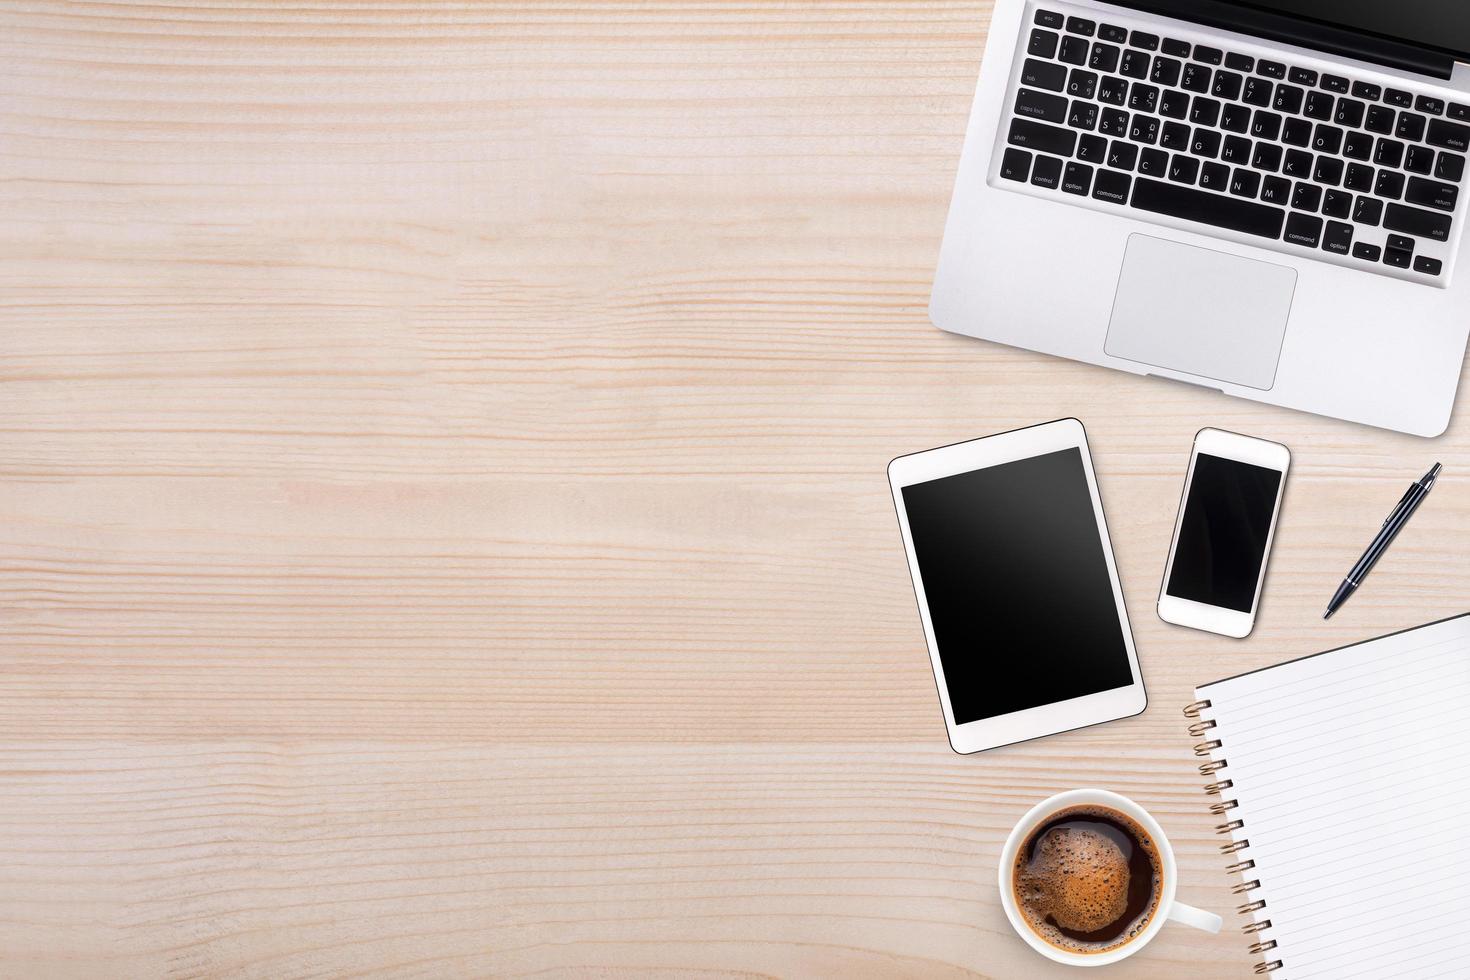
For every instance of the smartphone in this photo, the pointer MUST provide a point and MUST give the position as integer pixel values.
(1222, 536)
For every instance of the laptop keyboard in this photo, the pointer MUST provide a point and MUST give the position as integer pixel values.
(1282, 155)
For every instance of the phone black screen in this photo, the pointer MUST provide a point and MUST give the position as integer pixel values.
(1017, 585)
(1222, 536)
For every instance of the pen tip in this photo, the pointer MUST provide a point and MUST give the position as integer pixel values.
(1327, 614)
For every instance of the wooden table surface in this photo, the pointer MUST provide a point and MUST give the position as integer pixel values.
(445, 529)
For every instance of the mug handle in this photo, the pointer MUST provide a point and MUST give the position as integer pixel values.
(1199, 918)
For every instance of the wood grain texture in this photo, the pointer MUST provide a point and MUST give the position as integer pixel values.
(444, 522)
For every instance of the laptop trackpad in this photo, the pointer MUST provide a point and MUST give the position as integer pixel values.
(1200, 311)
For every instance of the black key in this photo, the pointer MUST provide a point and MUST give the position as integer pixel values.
(1143, 98)
(1388, 153)
(1460, 112)
(1104, 57)
(1397, 257)
(1015, 164)
(1122, 155)
(1196, 78)
(1077, 178)
(1043, 74)
(1428, 266)
(1239, 62)
(1114, 33)
(1206, 143)
(1204, 112)
(1227, 85)
(1380, 119)
(1389, 184)
(1357, 146)
(1267, 157)
(1153, 163)
(1306, 197)
(1419, 160)
(1047, 172)
(1432, 194)
(1451, 136)
(1265, 125)
(1257, 92)
(1142, 39)
(1183, 170)
(1039, 136)
(1214, 176)
(1366, 252)
(1174, 104)
(1111, 186)
(1368, 211)
(1338, 237)
(1411, 126)
(1043, 44)
(1271, 69)
(1135, 64)
(1327, 139)
(1175, 136)
(1114, 122)
(1349, 112)
(1276, 190)
(1039, 105)
(1074, 50)
(1165, 71)
(1365, 90)
(1175, 49)
(1319, 105)
(1235, 118)
(1429, 104)
(1082, 116)
(1288, 98)
(1398, 97)
(1081, 84)
(1218, 210)
(1237, 150)
(1335, 83)
(1091, 149)
(1049, 18)
(1245, 183)
(1400, 243)
(1144, 129)
(1304, 230)
(1298, 164)
(1297, 132)
(1081, 25)
(1210, 56)
(1328, 171)
(1304, 76)
(1449, 167)
(1112, 90)
(1337, 204)
(1358, 178)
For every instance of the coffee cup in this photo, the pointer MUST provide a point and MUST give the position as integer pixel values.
(1070, 815)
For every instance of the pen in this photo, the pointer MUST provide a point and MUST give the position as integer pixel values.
(1406, 506)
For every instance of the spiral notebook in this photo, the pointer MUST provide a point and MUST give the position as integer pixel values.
(1343, 782)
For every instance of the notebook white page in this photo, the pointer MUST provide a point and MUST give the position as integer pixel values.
(1351, 771)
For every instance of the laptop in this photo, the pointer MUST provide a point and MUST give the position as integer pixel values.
(1266, 199)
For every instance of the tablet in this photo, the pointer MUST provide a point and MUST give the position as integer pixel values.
(1017, 587)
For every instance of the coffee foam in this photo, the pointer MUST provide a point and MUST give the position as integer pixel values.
(1079, 878)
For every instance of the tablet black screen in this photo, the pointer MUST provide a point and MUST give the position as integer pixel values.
(1017, 586)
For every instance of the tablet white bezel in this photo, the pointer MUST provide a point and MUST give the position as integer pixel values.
(1047, 719)
(1201, 615)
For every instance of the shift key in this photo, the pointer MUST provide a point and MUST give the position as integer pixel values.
(1040, 105)
(1417, 222)
(1040, 136)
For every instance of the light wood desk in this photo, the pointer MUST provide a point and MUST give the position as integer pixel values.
(444, 519)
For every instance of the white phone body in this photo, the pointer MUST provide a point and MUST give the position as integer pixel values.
(1045, 719)
(1202, 615)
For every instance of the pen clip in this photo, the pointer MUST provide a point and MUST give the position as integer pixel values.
(1402, 500)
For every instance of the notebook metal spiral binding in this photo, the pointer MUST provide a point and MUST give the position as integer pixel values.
(1217, 788)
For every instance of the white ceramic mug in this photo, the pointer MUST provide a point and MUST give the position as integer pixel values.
(1168, 908)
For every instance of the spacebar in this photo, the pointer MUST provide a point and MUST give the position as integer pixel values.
(1211, 209)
